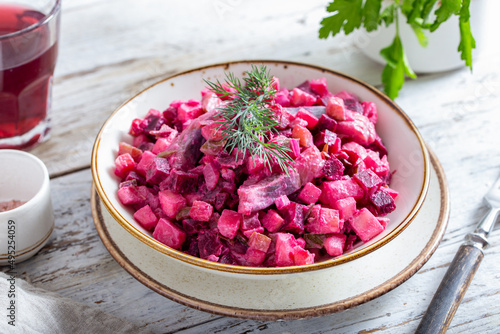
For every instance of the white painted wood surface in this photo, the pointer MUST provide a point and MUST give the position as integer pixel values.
(111, 50)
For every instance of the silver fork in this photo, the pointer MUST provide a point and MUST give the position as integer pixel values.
(457, 279)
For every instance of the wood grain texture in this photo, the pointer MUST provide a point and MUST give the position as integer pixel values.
(111, 50)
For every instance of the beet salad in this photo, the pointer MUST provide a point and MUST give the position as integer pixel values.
(255, 174)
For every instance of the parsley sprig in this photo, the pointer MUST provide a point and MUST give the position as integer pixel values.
(247, 121)
(421, 15)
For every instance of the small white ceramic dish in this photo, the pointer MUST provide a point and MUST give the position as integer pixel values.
(27, 228)
(275, 297)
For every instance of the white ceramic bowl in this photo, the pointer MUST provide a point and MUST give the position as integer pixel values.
(407, 155)
(27, 228)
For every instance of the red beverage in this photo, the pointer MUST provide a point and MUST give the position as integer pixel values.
(27, 62)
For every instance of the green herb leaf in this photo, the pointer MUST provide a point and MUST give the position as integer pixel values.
(371, 14)
(347, 16)
(387, 15)
(247, 122)
(393, 75)
(467, 42)
(443, 13)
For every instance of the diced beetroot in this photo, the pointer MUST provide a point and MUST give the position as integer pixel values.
(383, 221)
(282, 98)
(309, 193)
(333, 169)
(356, 152)
(325, 137)
(220, 200)
(382, 201)
(209, 102)
(349, 243)
(162, 144)
(310, 119)
(325, 122)
(229, 223)
(360, 130)
(134, 152)
(180, 182)
(365, 225)
(251, 221)
(309, 164)
(255, 164)
(146, 160)
(332, 191)
(303, 135)
(334, 244)
(228, 174)
(319, 86)
(302, 257)
(323, 220)
(281, 202)
(335, 108)
(212, 131)
(146, 217)
(209, 244)
(157, 171)
(293, 214)
(367, 179)
(351, 101)
(390, 191)
(370, 111)
(169, 234)
(258, 195)
(272, 221)
(131, 195)
(254, 257)
(211, 175)
(300, 98)
(142, 142)
(201, 211)
(124, 164)
(248, 233)
(171, 202)
(379, 166)
(259, 241)
(298, 121)
(285, 243)
(346, 207)
(137, 127)
(189, 110)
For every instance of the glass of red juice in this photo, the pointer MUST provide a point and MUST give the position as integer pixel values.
(29, 33)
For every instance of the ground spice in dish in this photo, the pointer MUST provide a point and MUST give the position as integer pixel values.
(10, 205)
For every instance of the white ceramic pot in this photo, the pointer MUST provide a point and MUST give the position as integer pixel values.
(441, 54)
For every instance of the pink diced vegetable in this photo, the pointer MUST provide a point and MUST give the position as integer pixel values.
(229, 223)
(334, 244)
(366, 225)
(146, 217)
(309, 193)
(124, 164)
(171, 202)
(201, 211)
(169, 234)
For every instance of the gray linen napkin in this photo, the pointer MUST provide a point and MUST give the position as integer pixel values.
(34, 310)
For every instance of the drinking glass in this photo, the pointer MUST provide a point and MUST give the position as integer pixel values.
(29, 32)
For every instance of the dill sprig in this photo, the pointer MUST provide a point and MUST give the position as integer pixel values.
(247, 121)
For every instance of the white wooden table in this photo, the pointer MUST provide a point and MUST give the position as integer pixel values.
(111, 50)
